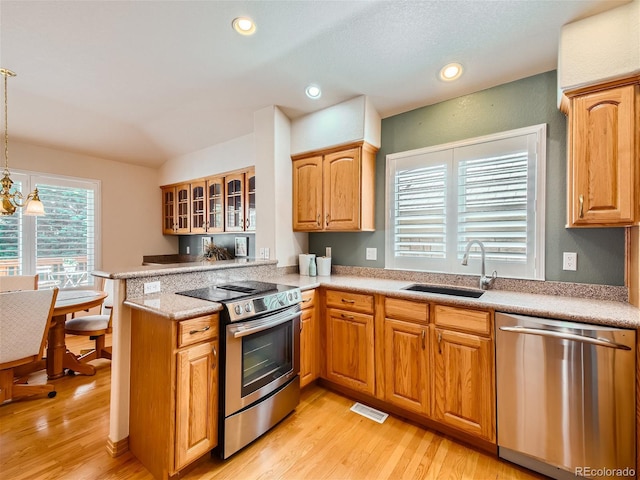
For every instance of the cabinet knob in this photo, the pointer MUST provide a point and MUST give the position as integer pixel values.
(581, 200)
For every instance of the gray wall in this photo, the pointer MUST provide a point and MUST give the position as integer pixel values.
(522, 103)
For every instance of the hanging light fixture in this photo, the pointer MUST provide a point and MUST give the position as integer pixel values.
(9, 200)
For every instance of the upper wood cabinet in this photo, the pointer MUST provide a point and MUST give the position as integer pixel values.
(210, 205)
(603, 169)
(334, 190)
(234, 202)
(176, 208)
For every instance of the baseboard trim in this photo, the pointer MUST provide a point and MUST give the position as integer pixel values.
(116, 449)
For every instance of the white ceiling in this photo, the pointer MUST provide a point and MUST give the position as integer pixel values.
(145, 81)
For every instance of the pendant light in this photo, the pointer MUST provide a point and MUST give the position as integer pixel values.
(9, 200)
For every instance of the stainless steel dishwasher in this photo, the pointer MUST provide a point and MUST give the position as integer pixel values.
(566, 397)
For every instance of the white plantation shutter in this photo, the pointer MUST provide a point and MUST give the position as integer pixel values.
(482, 189)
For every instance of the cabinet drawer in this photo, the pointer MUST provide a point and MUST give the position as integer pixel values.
(308, 299)
(350, 301)
(197, 329)
(406, 310)
(474, 321)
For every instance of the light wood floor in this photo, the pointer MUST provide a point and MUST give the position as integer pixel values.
(65, 438)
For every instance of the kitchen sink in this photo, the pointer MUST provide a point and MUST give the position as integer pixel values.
(458, 291)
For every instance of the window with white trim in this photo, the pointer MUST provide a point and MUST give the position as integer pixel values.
(62, 246)
(488, 188)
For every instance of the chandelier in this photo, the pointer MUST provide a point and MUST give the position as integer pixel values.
(9, 200)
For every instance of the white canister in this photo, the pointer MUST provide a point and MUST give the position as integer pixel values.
(324, 266)
(303, 262)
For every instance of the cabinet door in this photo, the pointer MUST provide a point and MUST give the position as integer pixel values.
(602, 158)
(307, 194)
(215, 204)
(350, 352)
(234, 202)
(406, 365)
(183, 204)
(463, 382)
(196, 402)
(168, 210)
(341, 191)
(198, 204)
(250, 201)
(308, 341)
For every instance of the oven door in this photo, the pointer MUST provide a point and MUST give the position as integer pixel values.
(261, 355)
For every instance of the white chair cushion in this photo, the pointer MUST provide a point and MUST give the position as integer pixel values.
(88, 323)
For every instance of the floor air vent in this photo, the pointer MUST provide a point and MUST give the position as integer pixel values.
(370, 413)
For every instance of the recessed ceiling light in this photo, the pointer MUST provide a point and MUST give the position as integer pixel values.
(450, 72)
(313, 91)
(244, 25)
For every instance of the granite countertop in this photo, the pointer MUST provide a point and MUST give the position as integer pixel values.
(602, 312)
(154, 270)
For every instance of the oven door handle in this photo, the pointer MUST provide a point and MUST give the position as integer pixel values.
(239, 330)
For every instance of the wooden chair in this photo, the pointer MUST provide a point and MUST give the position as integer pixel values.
(95, 327)
(18, 282)
(25, 317)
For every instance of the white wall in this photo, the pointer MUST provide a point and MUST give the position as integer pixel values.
(223, 157)
(274, 188)
(346, 122)
(600, 48)
(131, 201)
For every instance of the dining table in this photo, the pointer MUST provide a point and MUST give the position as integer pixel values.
(59, 357)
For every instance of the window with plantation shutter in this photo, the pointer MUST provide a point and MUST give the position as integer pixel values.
(489, 189)
(61, 247)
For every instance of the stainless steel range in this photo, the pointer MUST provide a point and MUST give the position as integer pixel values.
(260, 358)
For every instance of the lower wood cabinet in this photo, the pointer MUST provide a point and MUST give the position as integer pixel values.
(350, 341)
(174, 391)
(463, 371)
(406, 367)
(309, 339)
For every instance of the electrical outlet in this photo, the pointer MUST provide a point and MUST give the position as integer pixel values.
(266, 253)
(372, 254)
(188, 250)
(151, 287)
(261, 253)
(570, 261)
(327, 252)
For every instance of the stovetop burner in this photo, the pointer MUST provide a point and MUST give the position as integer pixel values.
(245, 299)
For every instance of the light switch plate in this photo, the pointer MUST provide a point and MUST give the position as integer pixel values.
(372, 254)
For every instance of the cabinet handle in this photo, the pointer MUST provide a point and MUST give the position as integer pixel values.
(318, 220)
(581, 200)
(306, 301)
(350, 317)
(439, 340)
(215, 357)
(328, 218)
(423, 339)
(193, 332)
(345, 300)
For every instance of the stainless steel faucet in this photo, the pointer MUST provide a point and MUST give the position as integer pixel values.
(485, 282)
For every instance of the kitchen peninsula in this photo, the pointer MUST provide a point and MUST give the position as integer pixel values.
(130, 286)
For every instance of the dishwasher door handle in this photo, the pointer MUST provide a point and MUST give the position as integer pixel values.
(565, 336)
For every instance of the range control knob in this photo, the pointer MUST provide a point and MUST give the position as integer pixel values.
(290, 296)
(238, 309)
(248, 307)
